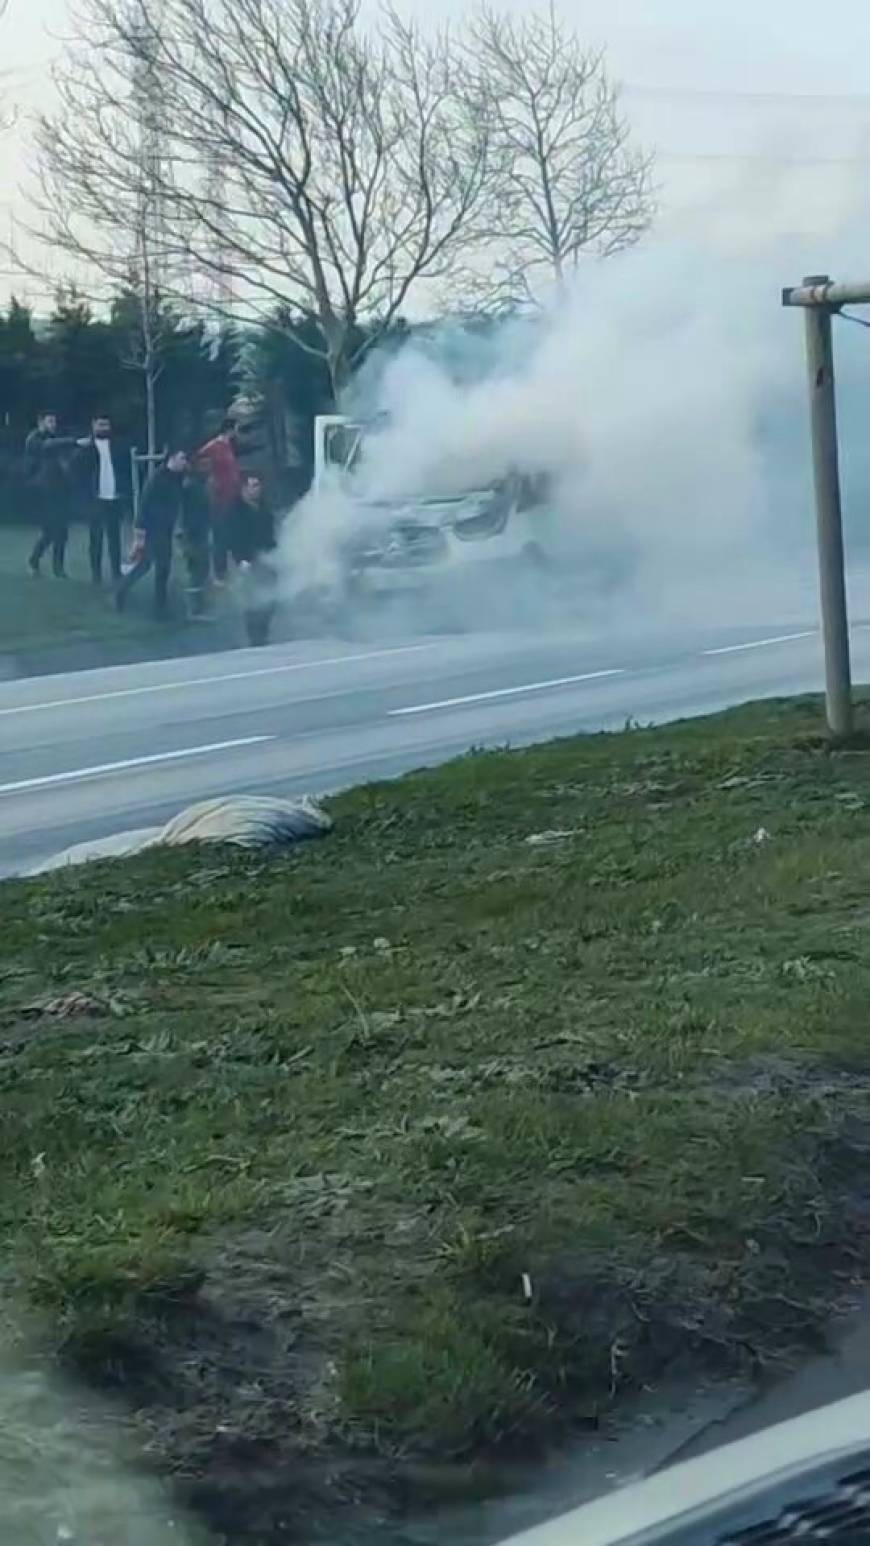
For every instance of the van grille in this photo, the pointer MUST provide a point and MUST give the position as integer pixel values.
(414, 544)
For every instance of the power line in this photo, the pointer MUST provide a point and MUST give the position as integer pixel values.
(726, 94)
(765, 158)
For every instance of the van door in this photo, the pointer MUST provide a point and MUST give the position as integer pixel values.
(337, 447)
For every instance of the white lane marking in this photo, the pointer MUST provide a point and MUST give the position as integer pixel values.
(758, 644)
(129, 762)
(205, 681)
(504, 692)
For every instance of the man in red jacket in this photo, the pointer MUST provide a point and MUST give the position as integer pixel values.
(218, 461)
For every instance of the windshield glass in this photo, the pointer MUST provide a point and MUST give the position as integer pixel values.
(344, 446)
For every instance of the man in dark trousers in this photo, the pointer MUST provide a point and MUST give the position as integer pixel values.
(195, 529)
(45, 465)
(251, 538)
(218, 461)
(104, 465)
(162, 504)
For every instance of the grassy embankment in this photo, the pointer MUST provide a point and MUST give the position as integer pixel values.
(50, 615)
(429, 1139)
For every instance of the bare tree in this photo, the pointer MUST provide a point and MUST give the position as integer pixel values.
(573, 184)
(107, 225)
(351, 164)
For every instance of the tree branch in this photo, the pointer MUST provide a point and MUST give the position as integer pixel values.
(572, 185)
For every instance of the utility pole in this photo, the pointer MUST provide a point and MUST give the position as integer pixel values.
(816, 296)
(220, 296)
(149, 254)
(223, 288)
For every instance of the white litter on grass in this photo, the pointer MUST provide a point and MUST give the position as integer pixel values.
(245, 820)
(544, 839)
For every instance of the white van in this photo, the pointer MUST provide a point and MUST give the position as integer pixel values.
(803, 1481)
(409, 544)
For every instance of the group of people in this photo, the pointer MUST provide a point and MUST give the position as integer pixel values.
(220, 511)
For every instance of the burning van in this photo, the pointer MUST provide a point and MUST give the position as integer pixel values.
(409, 543)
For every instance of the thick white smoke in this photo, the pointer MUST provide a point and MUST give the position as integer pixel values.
(665, 397)
(64, 1473)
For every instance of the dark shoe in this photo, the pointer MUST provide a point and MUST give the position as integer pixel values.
(60, 573)
(33, 566)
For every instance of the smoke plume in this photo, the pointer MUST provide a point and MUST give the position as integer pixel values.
(64, 1473)
(664, 397)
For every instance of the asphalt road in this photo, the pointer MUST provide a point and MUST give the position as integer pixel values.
(92, 753)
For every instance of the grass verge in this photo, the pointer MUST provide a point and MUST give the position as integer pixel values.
(39, 615)
(431, 1140)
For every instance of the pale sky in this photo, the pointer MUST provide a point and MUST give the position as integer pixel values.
(759, 110)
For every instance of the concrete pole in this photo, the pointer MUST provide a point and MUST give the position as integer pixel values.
(829, 520)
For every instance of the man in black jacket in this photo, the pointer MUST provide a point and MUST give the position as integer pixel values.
(104, 466)
(250, 539)
(45, 470)
(162, 504)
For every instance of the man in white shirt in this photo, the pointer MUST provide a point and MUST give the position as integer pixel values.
(106, 471)
(106, 487)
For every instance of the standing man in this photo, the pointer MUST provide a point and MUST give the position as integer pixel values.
(219, 461)
(105, 469)
(251, 538)
(46, 474)
(195, 527)
(162, 504)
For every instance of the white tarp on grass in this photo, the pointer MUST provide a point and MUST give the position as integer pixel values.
(246, 820)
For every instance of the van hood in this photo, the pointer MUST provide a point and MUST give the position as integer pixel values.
(433, 510)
